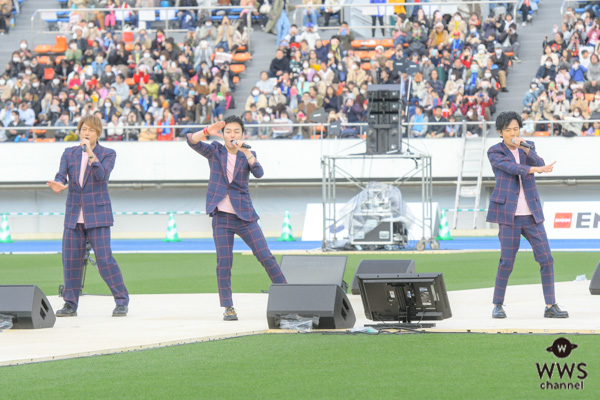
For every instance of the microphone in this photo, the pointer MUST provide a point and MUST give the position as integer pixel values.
(245, 146)
(523, 144)
(84, 148)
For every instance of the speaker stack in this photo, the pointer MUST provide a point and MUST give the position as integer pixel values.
(384, 111)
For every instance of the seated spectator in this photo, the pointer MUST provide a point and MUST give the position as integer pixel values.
(310, 35)
(593, 130)
(531, 95)
(542, 111)
(572, 124)
(256, 97)
(130, 130)
(279, 64)
(579, 102)
(26, 114)
(251, 133)
(547, 72)
(419, 130)
(265, 85)
(592, 83)
(501, 61)
(15, 135)
(437, 131)
(285, 130)
(225, 34)
(331, 101)
(277, 99)
(549, 53)
(528, 125)
(578, 72)
(561, 106)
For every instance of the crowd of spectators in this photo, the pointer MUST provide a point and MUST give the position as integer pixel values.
(459, 65)
(566, 87)
(150, 80)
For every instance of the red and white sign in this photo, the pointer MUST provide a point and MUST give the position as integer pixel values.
(572, 219)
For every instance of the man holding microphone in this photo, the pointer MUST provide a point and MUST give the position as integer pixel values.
(515, 206)
(228, 202)
(88, 216)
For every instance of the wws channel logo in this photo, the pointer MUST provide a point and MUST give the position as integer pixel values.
(571, 375)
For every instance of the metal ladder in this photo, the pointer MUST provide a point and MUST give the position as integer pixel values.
(471, 166)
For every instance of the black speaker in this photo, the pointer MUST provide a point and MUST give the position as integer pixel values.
(371, 141)
(27, 305)
(328, 302)
(595, 282)
(382, 267)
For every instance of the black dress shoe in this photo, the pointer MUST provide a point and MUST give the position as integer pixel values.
(120, 311)
(505, 90)
(66, 311)
(555, 312)
(498, 312)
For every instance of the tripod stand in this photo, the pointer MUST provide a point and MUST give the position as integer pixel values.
(87, 257)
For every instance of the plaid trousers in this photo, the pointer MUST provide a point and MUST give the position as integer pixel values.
(510, 239)
(224, 226)
(73, 253)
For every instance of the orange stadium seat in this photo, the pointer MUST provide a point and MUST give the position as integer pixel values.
(49, 140)
(43, 60)
(366, 66)
(129, 46)
(356, 44)
(127, 37)
(370, 43)
(235, 80)
(315, 137)
(325, 42)
(590, 96)
(48, 74)
(129, 81)
(361, 54)
(59, 59)
(43, 48)
(61, 45)
(241, 48)
(237, 68)
(541, 133)
(241, 57)
(387, 43)
(389, 52)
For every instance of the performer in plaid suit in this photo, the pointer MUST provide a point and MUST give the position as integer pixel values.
(228, 203)
(88, 216)
(515, 206)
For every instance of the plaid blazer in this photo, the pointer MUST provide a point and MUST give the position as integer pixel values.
(93, 196)
(218, 184)
(503, 202)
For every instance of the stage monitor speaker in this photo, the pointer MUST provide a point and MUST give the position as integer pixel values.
(314, 270)
(382, 267)
(328, 302)
(27, 305)
(595, 282)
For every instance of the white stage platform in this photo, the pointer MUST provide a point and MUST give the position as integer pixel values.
(164, 320)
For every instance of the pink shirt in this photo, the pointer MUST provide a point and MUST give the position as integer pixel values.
(225, 204)
(522, 206)
(84, 162)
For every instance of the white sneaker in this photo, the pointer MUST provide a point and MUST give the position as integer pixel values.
(524, 23)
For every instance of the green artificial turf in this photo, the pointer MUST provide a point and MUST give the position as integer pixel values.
(195, 273)
(316, 366)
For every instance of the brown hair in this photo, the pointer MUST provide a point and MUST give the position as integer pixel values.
(93, 122)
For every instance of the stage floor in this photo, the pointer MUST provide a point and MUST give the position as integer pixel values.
(164, 320)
